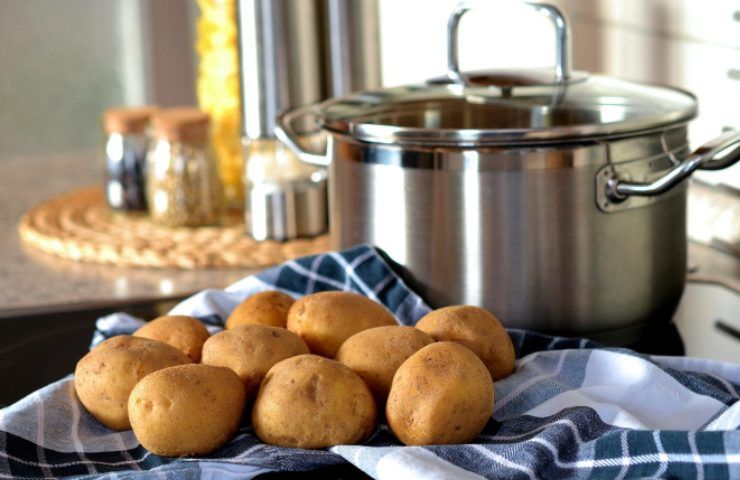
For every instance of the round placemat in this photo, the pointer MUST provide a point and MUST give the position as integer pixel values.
(79, 226)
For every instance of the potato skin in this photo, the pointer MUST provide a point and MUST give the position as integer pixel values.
(476, 328)
(186, 334)
(186, 410)
(251, 350)
(375, 354)
(325, 320)
(264, 308)
(313, 402)
(443, 394)
(105, 376)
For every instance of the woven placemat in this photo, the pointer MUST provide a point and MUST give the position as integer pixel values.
(79, 226)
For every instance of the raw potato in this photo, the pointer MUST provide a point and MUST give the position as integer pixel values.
(477, 329)
(376, 354)
(186, 410)
(442, 394)
(186, 334)
(325, 320)
(313, 402)
(264, 308)
(251, 350)
(105, 376)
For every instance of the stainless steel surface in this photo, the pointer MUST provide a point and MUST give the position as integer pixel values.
(281, 211)
(299, 52)
(529, 244)
(351, 31)
(562, 34)
(294, 53)
(486, 193)
(648, 168)
(719, 153)
(280, 54)
(281, 67)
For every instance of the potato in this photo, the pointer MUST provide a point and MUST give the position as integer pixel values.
(251, 350)
(186, 334)
(325, 320)
(477, 329)
(375, 354)
(264, 308)
(313, 402)
(105, 376)
(186, 410)
(442, 394)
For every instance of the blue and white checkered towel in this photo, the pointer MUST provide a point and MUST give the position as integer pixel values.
(570, 410)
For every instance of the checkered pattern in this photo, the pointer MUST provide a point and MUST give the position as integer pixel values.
(570, 410)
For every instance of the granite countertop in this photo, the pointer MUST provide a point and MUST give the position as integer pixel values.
(34, 282)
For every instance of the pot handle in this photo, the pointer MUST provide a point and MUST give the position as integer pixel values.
(562, 31)
(285, 133)
(717, 154)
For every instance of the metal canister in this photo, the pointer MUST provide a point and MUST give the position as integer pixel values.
(294, 53)
(126, 144)
(351, 35)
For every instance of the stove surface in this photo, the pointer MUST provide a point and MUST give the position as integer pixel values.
(708, 319)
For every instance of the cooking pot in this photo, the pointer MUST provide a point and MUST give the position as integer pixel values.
(555, 199)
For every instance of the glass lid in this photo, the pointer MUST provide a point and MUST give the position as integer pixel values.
(509, 110)
(508, 107)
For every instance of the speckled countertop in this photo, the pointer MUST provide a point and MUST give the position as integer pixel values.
(31, 281)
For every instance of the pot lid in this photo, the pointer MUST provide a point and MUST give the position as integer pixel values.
(508, 107)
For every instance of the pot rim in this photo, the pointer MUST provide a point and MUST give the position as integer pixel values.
(381, 116)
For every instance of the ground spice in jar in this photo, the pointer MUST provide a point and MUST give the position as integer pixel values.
(183, 186)
(126, 146)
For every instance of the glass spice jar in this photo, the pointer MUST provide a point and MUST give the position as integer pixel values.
(183, 186)
(126, 144)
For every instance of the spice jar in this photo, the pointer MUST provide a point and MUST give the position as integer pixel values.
(183, 186)
(125, 156)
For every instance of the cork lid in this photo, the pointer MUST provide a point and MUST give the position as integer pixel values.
(128, 120)
(183, 124)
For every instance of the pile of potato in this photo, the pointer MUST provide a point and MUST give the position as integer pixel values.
(314, 372)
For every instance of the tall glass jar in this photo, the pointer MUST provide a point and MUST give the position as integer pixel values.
(126, 144)
(183, 186)
(218, 91)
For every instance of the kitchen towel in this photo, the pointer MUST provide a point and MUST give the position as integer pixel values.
(570, 410)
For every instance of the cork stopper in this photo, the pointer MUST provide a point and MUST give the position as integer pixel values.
(128, 120)
(184, 124)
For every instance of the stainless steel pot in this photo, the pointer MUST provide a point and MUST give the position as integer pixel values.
(556, 201)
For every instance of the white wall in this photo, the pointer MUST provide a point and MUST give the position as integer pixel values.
(64, 62)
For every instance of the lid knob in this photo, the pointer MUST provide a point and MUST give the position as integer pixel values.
(562, 31)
